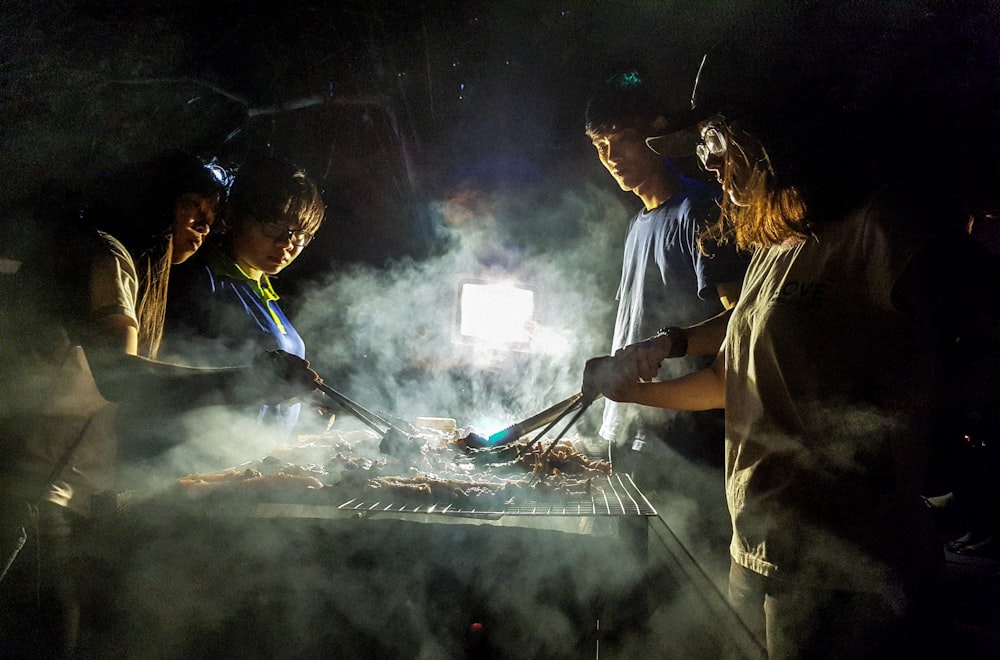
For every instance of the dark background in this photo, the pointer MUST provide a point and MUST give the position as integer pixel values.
(448, 139)
(394, 103)
(451, 130)
(401, 101)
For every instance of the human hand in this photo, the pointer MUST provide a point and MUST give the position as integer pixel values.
(603, 375)
(641, 361)
(279, 376)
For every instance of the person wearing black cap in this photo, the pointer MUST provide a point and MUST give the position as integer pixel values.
(836, 355)
(670, 279)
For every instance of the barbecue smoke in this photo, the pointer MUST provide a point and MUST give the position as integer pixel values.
(387, 336)
(175, 581)
(384, 337)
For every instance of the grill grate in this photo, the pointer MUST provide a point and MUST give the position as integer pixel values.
(615, 495)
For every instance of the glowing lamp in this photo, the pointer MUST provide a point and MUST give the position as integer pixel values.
(495, 314)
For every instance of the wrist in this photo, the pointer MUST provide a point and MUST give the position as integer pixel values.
(678, 341)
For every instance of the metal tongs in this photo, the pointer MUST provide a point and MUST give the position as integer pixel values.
(580, 406)
(375, 422)
(548, 418)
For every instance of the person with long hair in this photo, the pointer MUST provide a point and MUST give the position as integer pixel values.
(837, 355)
(79, 347)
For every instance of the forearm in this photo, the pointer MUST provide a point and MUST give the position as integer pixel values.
(706, 337)
(700, 390)
(642, 360)
(136, 380)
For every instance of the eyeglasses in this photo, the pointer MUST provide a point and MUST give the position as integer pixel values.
(713, 143)
(279, 230)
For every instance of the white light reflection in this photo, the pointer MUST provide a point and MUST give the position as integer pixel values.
(496, 314)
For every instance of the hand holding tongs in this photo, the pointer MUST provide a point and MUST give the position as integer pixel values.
(581, 404)
(547, 418)
(378, 424)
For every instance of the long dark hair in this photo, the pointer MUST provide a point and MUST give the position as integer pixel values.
(142, 219)
(136, 206)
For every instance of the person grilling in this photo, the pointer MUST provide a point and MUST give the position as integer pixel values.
(670, 279)
(224, 306)
(79, 349)
(837, 353)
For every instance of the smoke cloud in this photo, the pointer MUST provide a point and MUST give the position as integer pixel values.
(387, 336)
(400, 588)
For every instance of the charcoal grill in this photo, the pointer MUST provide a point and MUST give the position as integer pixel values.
(613, 498)
(354, 567)
(616, 495)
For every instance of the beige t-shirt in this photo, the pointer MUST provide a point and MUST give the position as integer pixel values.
(825, 446)
(48, 402)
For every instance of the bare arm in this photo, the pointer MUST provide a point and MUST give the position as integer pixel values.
(706, 337)
(122, 375)
(704, 389)
(642, 360)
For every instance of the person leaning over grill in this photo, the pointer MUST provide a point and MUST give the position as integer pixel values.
(84, 330)
(223, 304)
(838, 351)
(669, 277)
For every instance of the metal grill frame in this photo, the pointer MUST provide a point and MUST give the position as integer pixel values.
(624, 499)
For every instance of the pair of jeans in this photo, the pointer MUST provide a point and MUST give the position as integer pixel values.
(39, 598)
(805, 621)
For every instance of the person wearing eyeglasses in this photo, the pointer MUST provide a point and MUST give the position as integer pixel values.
(80, 333)
(223, 305)
(862, 295)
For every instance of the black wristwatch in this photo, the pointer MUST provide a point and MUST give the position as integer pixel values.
(678, 341)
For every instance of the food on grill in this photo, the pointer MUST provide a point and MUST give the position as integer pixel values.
(499, 491)
(292, 479)
(561, 459)
(431, 467)
(224, 476)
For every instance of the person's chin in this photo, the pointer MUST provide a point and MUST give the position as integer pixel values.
(180, 256)
(627, 184)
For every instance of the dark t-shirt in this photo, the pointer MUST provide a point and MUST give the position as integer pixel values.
(668, 279)
(217, 316)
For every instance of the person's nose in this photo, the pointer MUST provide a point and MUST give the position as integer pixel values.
(613, 154)
(285, 241)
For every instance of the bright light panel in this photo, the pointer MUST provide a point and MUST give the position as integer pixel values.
(496, 313)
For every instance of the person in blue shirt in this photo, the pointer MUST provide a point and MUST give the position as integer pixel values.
(223, 307)
(671, 278)
(83, 378)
